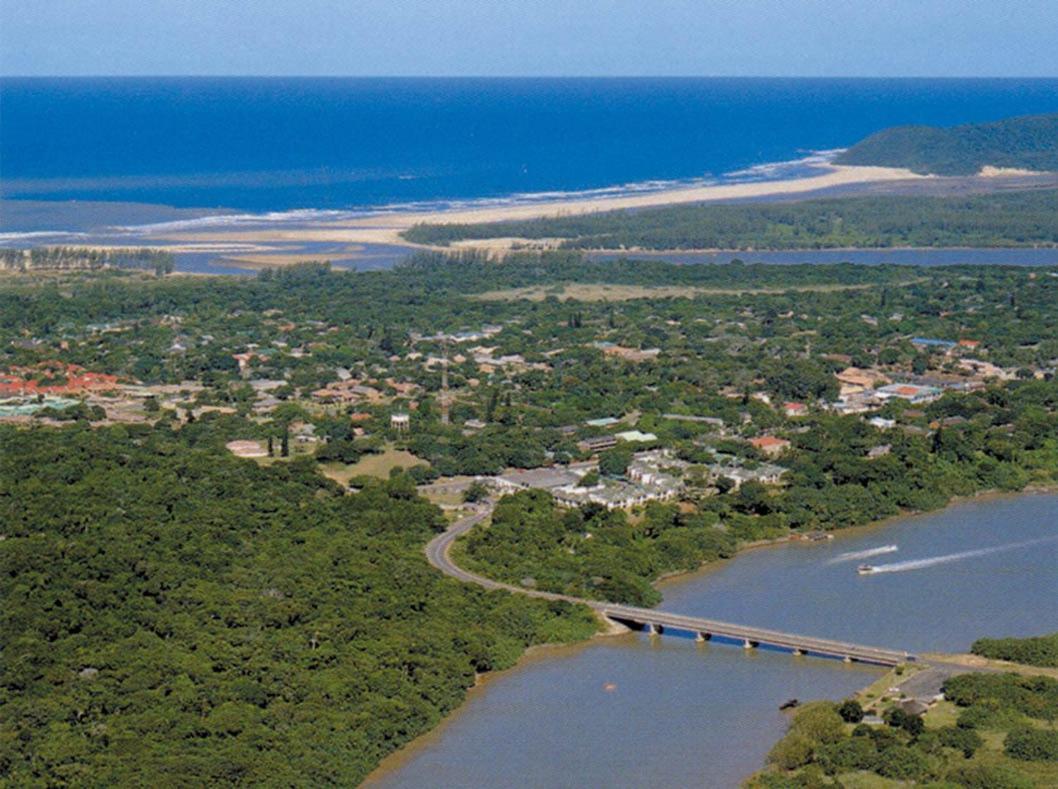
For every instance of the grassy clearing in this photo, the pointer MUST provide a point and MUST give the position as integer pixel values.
(378, 465)
(976, 661)
(576, 291)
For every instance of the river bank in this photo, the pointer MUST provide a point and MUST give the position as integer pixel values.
(791, 581)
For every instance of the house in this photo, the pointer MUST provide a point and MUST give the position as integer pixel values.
(539, 478)
(985, 369)
(400, 422)
(879, 451)
(605, 421)
(882, 423)
(770, 445)
(612, 494)
(628, 354)
(794, 409)
(597, 443)
(635, 436)
(854, 380)
(765, 474)
(913, 393)
(707, 420)
(929, 342)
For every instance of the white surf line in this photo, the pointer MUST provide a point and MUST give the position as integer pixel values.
(867, 554)
(918, 564)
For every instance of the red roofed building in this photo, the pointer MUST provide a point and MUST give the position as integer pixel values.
(770, 445)
(55, 378)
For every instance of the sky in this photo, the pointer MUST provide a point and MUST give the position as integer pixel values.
(831, 38)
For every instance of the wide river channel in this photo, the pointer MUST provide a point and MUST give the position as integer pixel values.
(635, 711)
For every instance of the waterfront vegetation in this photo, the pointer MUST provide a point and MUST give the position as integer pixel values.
(174, 613)
(591, 552)
(85, 258)
(1039, 651)
(991, 731)
(1029, 142)
(1016, 219)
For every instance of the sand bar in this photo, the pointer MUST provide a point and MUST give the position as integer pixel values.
(386, 228)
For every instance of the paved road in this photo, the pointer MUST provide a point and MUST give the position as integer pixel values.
(437, 552)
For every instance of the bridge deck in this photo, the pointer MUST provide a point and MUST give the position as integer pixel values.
(755, 635)
(437, 554)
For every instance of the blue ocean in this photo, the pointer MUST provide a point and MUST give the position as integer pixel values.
(276, 145)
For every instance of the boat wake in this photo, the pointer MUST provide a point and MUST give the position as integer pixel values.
(867, 554)
(920, 564)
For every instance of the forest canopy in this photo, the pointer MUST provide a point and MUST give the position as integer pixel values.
(1028, 142)
(1015, 219)
(176, 616)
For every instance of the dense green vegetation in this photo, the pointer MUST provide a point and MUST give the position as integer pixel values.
(174, 616)
(1028, 142)
(1002, 738)
(1013, 219)
(591, 552)
(1038, 651)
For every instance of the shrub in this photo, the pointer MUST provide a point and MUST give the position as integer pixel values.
(902, 763)
(819, 722)
(850, 711)
(854, 753)
(792, 751)
(1032, 745)
(899, 719)
(986, 776)
(965, 740)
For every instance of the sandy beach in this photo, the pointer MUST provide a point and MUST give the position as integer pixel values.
(386, 228)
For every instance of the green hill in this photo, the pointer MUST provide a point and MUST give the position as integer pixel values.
(1029, 142)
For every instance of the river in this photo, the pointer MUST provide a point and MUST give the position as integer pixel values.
(631, 711)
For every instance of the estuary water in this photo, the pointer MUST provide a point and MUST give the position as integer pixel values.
(632, 711)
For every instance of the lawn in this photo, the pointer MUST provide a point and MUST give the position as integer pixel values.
(378, 465)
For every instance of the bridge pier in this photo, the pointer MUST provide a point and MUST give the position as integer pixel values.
(654, 630)
(701, 637)
(798, 652)
(846, 659)
(747, 644)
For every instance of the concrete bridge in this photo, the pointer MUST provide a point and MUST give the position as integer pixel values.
(657, 622)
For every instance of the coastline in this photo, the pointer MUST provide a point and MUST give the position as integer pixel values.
(385, 228)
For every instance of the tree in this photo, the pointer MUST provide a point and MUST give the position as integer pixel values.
(476, 491)
(614, 462)
(850, 711)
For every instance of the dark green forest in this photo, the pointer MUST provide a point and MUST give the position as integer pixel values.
(1015, 219)
(1029, 142)
(177, 617)
(1038, 651)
